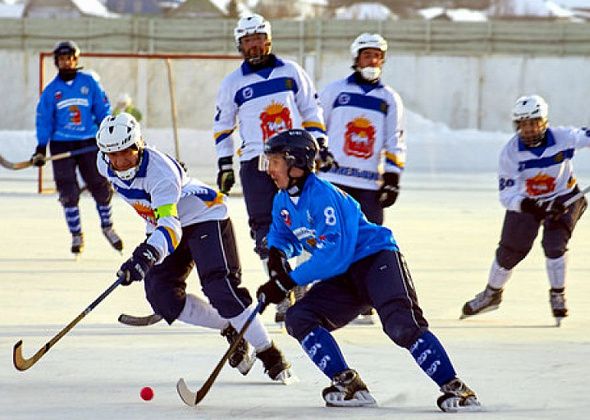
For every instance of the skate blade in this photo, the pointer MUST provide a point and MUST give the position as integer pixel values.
(483, 311)
(360, 399)
(558, 320)
(286, 377)
(362, 320)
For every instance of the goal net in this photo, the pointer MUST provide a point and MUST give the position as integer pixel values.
(175, 94)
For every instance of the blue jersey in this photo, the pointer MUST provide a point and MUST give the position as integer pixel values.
(71, 110)
(327, 223)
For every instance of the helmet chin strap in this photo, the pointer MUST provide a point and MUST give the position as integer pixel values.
(296, 183)
(128, 174)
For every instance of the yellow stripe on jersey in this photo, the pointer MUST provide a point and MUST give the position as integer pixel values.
(394, 160)
(172, 236)
(314, 124)
(221, 133)
(218, 199)
(167, 210)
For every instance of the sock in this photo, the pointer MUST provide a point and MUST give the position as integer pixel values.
(323, 350)
(256, 333)
(432, 358)
(498, 276)
(73, 219)
(556, 271)
(198, 312)
(105, 211)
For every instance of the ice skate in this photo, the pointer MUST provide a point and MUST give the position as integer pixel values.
(365, 318)
(486, 301)
(77, 244)
(558, 307)
(241, 359)
(276, 366)
(113, 238)
(348, 390)
(457, 397)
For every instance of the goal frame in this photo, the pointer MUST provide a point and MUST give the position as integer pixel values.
(166, 57)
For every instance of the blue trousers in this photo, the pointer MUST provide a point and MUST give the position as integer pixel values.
(211, 246)
(382, 281)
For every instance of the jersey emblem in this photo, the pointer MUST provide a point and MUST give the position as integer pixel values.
(145, 212)
(343, 99)
(359, 138)
(286, 217)
(57, 95)
(275, 118)
(75, 115)
(540, 184)
(84, 90)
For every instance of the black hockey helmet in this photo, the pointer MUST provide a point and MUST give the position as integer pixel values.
(65, 48)
(298, 147)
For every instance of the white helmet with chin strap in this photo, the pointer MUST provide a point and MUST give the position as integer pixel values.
(531, 107)
(249, 25)
(364, 41)
(118, 133)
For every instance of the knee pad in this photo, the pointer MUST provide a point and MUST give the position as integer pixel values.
(402, 335)
(167, 302)
(508, 258)
(300, 322)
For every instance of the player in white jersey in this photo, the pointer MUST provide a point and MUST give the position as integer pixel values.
(264, 96)
(536, 178)
(364, 118)
(187, 226)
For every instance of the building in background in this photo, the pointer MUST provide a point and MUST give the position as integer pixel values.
(65, 9)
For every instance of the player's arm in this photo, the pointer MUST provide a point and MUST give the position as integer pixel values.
(508, 185)
(394, 151)
(581, 137)
(308, 104)
(281, 237)
(101, 106)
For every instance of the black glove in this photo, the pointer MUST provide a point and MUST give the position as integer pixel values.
(326, 158)
(280, 283)
(38, 158)
(225, 176)
(534, 207)
(389, 189)
(135, 268)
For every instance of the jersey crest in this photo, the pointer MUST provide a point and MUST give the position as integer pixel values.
(145, 212)
(75, 115)
(359, 138)
(540, 184)
(275, 118)
(286, 217)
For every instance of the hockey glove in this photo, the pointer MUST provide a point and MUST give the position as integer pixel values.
(280, 283)
(389, 189)
(39, 157)
(528, 205)
(277, 263)
(225, 176)
(135, 268)
(326, 158)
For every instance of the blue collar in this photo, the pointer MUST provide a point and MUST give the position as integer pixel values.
(265, 71)
(356, 79)
(538, 151)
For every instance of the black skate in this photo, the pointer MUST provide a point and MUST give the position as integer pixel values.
(457, 397)
(557, 301)
(240, 358)
(276, 366)
(348, 390)
(113, 238)
(77, 243)
(365, 318)
(486, 301)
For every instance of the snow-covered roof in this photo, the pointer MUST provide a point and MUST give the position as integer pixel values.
(365, 11)
(92, 8)
(456, 15)
(538, 8)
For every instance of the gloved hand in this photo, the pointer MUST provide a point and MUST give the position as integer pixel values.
(225, 176)
(39, 157)
(555, 210)
(534, 207)
(326, 158)
(135, 268)
(389, 189)
(277, 288)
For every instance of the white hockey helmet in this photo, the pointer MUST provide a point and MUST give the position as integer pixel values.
(249, 25)
(367, 40)
(529, 107)
(118, 133)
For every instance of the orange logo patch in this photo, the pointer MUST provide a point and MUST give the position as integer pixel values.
(274, 119)
(146, 213)
(359, 138)
(540, 184)
(75, 115)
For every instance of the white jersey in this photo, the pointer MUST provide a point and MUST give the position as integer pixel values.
(543, 172)
(264, 103)
(366, 130)
(166, 198)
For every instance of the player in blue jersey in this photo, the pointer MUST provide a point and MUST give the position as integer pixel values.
(358, 264)
(188, 226)
(536, 178)
(69, 112)
(265, 95)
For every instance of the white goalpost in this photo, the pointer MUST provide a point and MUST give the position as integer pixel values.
(174, 92)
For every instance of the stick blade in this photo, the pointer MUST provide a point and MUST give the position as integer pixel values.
(20, 363)
(186, 395)
(14, 165)
(139, 321)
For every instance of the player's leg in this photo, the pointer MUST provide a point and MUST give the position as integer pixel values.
(384, 277)
(329, 305)
(556, 236)
(213, 248)
(66, 182)
(518, 234)
(101, 191)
